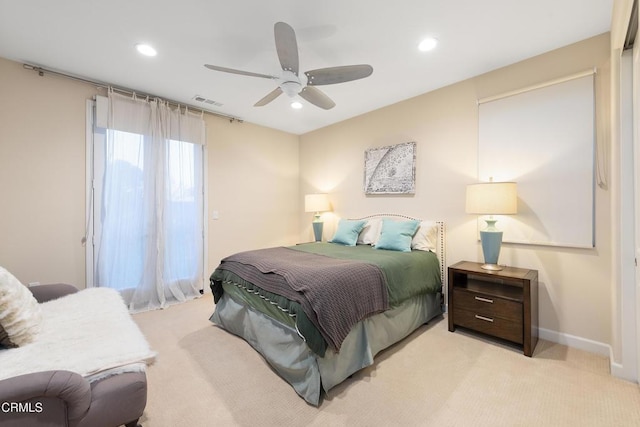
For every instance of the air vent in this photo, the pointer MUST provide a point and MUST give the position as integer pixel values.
(207, 101)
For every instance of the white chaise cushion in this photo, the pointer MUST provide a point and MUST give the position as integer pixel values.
(20, 315)
(89, 332)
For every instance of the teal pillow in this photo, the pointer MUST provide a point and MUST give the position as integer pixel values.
(347, 232)
(397, 235)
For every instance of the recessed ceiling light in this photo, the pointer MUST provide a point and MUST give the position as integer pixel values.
(427, 44)
(146, 50)
(296, 105)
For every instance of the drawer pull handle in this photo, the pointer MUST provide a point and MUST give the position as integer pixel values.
(490, 301)
(486, 319)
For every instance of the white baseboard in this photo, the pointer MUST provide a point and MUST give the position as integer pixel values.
(617, 369)
(575, 342)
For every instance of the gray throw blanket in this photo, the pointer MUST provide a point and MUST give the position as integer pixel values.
(334, 293)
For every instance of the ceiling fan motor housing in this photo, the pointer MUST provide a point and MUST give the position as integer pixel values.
(291, 84)
(291, 88)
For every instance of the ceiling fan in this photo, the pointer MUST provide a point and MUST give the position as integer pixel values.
(293, 84)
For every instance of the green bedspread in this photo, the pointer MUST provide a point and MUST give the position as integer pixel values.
(407, 274)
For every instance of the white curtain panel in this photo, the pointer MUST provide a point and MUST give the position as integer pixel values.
(151, 225)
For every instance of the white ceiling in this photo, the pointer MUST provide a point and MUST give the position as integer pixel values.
(95, 39)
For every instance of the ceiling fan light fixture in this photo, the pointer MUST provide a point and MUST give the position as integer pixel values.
(428, 44)
(296, 105)
(146, 50)
(291, 88)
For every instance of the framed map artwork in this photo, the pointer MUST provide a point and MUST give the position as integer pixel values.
(391, 169)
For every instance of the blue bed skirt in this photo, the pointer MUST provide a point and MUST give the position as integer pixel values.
(285, 349)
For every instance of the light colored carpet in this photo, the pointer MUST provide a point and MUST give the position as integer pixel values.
(205, 376)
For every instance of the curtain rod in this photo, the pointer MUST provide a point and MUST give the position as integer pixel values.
(41, 71)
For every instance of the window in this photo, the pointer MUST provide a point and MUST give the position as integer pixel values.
(147, 212)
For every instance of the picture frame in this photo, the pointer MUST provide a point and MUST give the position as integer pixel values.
(390, 169)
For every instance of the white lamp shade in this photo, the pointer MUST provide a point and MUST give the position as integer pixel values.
(492, 198)
(316, 203)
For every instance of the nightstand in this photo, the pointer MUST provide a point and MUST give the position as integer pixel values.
(503, 304)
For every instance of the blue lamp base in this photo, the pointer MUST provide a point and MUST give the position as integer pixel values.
(491, 239)
(317, 230)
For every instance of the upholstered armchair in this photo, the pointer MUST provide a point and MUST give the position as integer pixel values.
(66, 398)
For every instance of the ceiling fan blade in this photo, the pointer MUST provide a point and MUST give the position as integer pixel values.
(317, 98)
(332, 75)
(243, 73)
(286, 46)
(270, 97)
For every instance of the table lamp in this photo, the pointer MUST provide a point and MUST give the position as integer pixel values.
(492, 198)
(317, 203)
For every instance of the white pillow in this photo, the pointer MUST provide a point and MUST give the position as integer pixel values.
(426, 238)
(371, 232)
(20, 316)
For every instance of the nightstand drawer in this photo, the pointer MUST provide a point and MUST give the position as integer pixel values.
(506, 329)
(488, 305)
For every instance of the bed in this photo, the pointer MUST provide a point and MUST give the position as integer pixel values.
(319, 312)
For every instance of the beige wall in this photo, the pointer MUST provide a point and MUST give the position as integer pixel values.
(254, 187)
(575, 285)
(252, 180)
(42, 175)
(257, 178)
